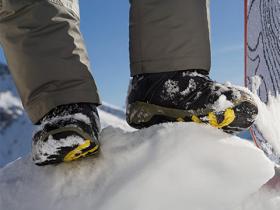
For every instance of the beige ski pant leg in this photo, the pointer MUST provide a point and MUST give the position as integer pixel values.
(168, 35)
(46, 54)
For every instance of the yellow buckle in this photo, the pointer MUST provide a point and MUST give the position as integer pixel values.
(229, 117)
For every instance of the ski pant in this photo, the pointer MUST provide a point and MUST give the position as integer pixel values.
(48, 60)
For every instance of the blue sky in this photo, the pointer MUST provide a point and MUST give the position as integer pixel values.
(105, 28)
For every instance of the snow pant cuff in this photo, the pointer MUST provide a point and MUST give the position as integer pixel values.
(169, 65)
(41, 106)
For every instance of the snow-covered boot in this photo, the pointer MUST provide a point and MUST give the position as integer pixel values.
(67, 133)
(188, 96)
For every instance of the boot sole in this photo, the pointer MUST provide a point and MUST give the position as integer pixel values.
(89, 147)
(234, 119)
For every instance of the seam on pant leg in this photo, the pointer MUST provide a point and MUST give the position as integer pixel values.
(71, 5)
(169, 65)
(135, 14)
(8, 7)
(172, 34)
(209, 18)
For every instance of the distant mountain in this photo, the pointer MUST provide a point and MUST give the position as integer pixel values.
(116, 111)
(16, 129)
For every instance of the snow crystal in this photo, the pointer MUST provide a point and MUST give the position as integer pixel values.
(228, 84)
(82, 117)
(193, 74)
(222, 104)
(236, 94)
(256, 83)
(171, 88)
(191, 87)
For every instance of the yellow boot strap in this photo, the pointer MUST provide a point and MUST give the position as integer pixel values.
(229, 117)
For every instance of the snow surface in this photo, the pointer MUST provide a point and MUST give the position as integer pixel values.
(263, 200)
(268, 121)
(169, 166)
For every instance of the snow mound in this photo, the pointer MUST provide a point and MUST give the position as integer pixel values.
(170, 166)
(263, 200)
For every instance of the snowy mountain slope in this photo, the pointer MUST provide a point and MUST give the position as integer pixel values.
(108, 118)
(116, 111)
(10, 107)
(16, 129)
(171, 166)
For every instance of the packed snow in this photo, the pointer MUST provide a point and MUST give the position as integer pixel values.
(268, 121)
(222, 103)
(170, 166)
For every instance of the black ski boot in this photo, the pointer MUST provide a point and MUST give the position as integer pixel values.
(67, 133)
(188, 96)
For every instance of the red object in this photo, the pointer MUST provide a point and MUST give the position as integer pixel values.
(245, 39)
(246, 57)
